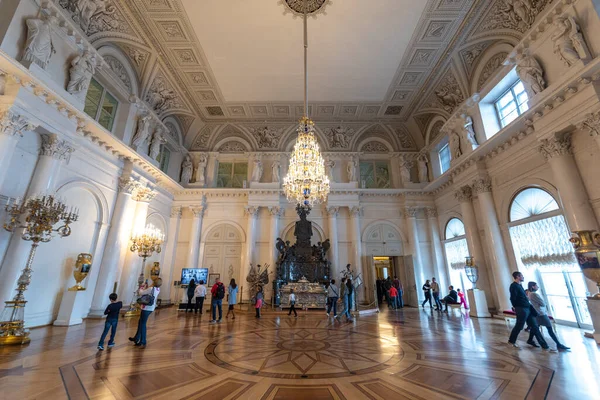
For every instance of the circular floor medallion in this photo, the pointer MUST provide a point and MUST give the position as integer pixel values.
(304, 353)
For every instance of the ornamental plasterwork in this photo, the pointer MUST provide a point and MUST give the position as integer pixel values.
(374, 147)
(435, 130)
(201, 141)
(482, 185)
(55, 148)
(186, 122)
(339, 137)
(172, 131)
(96, 16)
(161, 96)
(448, 95)
(232, 147)
(470, 55)
(517, 15)
(297, 7)
(555, 147)
(267, 137)
(463, 194)
(119, 70)
(591, 124)
(406, 141)
(492, 65)
(423, 122)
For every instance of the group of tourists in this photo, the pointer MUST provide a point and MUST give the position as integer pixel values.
(530, 308)
(392, 290)
(432, 289)
(345, 293)
(198, 292)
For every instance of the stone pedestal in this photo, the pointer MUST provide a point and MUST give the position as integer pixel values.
(594, 309)
(69, 309)
(478, 307)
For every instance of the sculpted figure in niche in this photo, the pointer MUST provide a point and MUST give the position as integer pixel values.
(86, 10)
(470, 132)
(142, 133)
(520, 12)
(351, 170)
(405, 167)
(257, 170)
(275, 171)
(422, 167)
(201, 168)
(329, 165)
(157, 140)
(82, 69)
(569, 44)
(455, 145)
(187, 168)
(39, 47)
(447, 98)
(531, 74)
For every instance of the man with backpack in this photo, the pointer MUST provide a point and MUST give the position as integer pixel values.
(218, 294)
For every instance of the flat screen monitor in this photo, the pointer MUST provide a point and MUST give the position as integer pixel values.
(197, 274)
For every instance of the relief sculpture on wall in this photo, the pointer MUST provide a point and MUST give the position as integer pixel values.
(39, 47)
(569, 44)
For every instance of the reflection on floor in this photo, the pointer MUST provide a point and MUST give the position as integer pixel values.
(406, 354)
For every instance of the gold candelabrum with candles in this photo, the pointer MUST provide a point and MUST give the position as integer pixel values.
(36, 216)
(587, 251)
(146, 244)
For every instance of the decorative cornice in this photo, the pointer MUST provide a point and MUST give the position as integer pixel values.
(555, 147)
(482, 185)
(464, 194)
(13, 124)
(591, 124)
(251, 211)
(53, 147)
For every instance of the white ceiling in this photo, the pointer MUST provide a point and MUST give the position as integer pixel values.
(255, 51)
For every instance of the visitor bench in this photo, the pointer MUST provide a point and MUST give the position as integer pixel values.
(455, 306)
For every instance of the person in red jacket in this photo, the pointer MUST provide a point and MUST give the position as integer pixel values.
(394, 297)
(218, 293)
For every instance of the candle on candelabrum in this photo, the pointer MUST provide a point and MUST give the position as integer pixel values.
(146, 244)
(37, 216)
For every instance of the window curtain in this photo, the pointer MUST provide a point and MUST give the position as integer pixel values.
(543, 243)
(456, 252)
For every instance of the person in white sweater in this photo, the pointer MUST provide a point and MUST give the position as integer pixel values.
(537, 301)
(200, 294)
(140, 336)
(293, 303)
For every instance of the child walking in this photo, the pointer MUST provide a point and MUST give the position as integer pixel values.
(112, 318)
(462, 299)
(293, 303)
(259, 301)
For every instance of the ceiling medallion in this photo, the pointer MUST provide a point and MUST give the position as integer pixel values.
(296, 7)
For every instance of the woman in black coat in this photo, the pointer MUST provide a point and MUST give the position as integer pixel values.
(190, 294)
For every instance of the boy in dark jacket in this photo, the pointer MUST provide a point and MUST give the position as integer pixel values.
(112, 318)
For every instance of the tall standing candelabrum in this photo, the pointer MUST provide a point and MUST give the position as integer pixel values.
(37, 216)
(145, 244)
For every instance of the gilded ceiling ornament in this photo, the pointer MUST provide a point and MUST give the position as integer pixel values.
(297, 6)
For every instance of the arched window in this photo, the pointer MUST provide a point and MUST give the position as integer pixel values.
(540, 238)
(456, 251)
(454, 228)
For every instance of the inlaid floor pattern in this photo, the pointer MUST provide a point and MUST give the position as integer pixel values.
(405, 354)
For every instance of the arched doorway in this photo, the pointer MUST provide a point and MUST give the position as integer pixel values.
(540, 239)
(455, 244)
(223, 252)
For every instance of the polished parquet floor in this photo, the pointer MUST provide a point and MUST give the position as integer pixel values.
(405, 354)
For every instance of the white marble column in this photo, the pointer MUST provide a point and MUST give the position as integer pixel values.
(12, 127)
(53, 153)
(437, 254)
(333, 255)
(482, 188)
(355, 213)
(116, 247)
(132, 267)
(169, 258)
(415, 248)
(276, 214)
(252, 214)
(195, 232)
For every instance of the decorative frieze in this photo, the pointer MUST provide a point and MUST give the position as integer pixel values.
(482, 185)
(555, 147)
(13, 124)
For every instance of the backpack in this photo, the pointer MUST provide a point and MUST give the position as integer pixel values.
(146, 299)
(220, 292)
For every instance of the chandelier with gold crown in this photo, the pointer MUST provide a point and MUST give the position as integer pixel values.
(306, 182)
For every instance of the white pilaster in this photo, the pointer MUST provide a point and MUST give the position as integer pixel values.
(169, 258)
(415, 248)
(252, 213)
(496, 250)
(276, 214)
(12, 127)
(437, 254)
(355, 213)
(333, 255)
(195, 232)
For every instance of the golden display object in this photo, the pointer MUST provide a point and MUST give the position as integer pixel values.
(587, 251)
(155, 271)
(36, 216)
(83, 266)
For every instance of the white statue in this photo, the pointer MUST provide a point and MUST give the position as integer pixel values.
(275, 171)
(201, 168)
(351, 170)
(187, 168)
(39, 47)
(405, 167)
(520, 12)
(531, 74)
(569, 44)
(257, 170)
(157, 140)
(455, 145)
(143, 132)
(86, 10)
(82, 69)
(422, 167)
(470, 132)
(329, 165)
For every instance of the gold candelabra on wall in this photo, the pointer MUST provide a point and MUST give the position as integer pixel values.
(37, 217)
(146, 244)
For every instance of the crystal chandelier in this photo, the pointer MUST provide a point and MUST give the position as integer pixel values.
(306, 182)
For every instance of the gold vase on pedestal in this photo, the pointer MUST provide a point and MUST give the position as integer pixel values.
(155, 271)
(587, 251)
(83, 265)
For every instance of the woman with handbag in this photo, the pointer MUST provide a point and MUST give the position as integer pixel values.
(147, 300)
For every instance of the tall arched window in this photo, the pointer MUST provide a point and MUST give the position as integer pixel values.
(540, 239)
(455, 244)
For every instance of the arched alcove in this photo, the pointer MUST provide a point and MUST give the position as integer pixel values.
(382, 238)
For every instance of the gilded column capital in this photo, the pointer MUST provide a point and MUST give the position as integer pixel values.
(332, 211)
(431, 212)
(482, 185)
(554, 147)
(176, 212)
(251, 211)
(198, 210)
(13, 124)
(411, 212)
(276, 211)
(53, 147)
(463, 194)
(591, 124)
